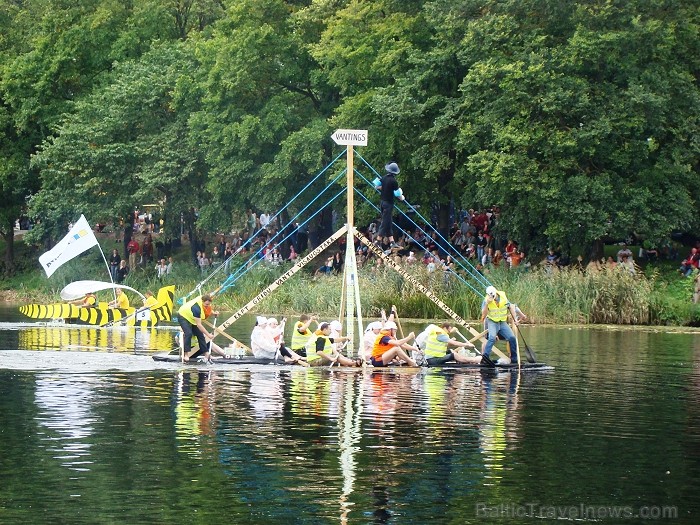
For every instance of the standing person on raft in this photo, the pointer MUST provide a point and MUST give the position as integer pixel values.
(494, 311)
(389, 189)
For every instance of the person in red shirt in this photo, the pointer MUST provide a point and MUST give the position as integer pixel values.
(133, 249)
(692, 262)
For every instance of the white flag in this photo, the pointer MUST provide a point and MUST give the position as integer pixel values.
(79, 239)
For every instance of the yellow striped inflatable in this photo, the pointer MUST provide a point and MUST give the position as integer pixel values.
(101, 314)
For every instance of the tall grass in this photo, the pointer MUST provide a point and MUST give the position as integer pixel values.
(569, 296)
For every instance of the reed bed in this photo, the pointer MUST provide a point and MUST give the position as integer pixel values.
(551, 296)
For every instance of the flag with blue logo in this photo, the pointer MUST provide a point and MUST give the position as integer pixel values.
(79, 239)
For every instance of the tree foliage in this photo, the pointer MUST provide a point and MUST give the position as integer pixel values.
(579, 119)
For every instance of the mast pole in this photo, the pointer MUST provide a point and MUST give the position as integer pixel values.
(350, 138)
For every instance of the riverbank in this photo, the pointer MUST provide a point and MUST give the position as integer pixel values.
(655, 295)
(562, 297)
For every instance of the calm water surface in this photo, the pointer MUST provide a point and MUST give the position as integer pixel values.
(611, 436)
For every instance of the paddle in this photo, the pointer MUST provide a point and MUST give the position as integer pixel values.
(211, 342)
(230, 338)
(528, 351)
(123, 320)
(396, 317)
(475, 338)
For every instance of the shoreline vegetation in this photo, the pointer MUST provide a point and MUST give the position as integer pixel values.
(656, 295)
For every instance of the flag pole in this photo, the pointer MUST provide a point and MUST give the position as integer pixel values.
(109, 272)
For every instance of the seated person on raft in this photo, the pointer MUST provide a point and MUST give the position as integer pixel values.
(276, 331)
(302, 333)
(264, 346)
(88, 301)
(372, 331)
(121, 301)
(435, 342)
(320, 351)
(387, 347)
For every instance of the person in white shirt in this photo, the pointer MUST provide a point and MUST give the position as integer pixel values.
(267, 339)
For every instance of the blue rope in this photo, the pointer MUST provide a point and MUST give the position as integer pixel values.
(241, 271)
(460, 260)
(479, 293)
(255, 234)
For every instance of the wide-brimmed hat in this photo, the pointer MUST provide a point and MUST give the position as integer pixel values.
(392, 167)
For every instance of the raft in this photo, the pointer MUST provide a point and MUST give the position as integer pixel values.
(250, 360)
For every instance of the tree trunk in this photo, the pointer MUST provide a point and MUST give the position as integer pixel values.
(321, 228)
(596, 250)
(9, 237)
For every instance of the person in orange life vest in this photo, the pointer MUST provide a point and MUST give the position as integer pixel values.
(387, 347)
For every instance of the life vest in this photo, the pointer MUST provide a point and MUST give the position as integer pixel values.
(379, 348)
(433, 347)
(122, 301)
(185, 310)
(423, 336)
(300, 340)
(498, 309)
(150, 302)
(311, 354)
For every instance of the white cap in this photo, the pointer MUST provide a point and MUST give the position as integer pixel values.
(335, 325)
(376, 325)
(261, 320)
(390, 325)
(491, 290)
(272, 320)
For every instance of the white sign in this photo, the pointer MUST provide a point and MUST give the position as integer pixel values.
(350, 137)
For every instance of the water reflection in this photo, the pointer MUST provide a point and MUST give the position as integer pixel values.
(272, 444)
(498, 423)
(195, 410)
(65, 414)
(91, 339)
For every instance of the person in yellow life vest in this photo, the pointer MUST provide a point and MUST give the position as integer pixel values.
(150, 301)
(190, 316)
(320, 349)
(88, 301)
(213, 347)
(387, 347)
(122, 301)
(435, 341)
(302, 333)
(494, 311)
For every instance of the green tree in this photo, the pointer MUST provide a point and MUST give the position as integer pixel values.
(575, 118)
(124, 144)
(263, 122)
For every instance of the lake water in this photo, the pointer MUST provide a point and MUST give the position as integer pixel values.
(94, 432)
